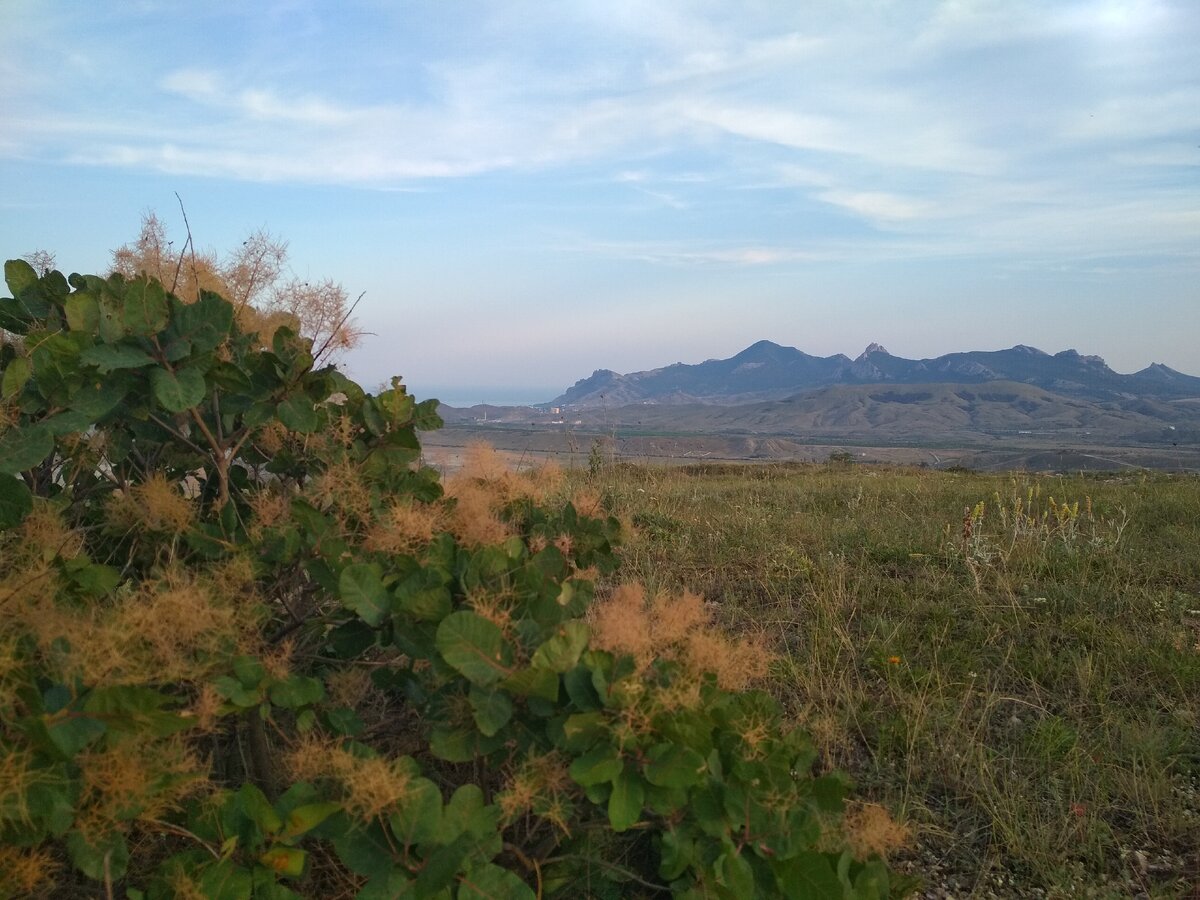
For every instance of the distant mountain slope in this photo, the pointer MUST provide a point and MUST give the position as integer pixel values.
(768, 371)
(916, 411)
(934, 414)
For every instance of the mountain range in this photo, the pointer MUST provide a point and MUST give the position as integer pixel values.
(767, 371)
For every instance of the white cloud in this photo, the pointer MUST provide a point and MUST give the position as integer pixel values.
(880, 206)
(194, 84)
(932, 119)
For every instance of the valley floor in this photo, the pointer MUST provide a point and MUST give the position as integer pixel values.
(576, 446)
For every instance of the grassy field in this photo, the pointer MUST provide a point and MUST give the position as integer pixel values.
(1010, 663)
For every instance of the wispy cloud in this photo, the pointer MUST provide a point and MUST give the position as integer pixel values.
(880, 206)
(756, 139)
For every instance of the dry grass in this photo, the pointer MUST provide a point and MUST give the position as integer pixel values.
(1024, 697)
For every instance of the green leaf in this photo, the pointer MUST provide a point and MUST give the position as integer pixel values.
(83, 312)
(107, 858)
(258, 809)
(14, 316)
(675, 855)
(50, 806)
(267, 888)
(872, 883)
(19, 275)
(542, 683)
(16, 501)
(599, 765)
(364, 850)
(284, 861)
(23, 448)
(579, 687)
(129, 710)
(391, 885)
(829, 791)
(475, 647)
(207, 321)
(112, 329)
(733, 870)
(344, 721)
(582, 730)
(107, 357)
(145, 307)
(226, 880)
(491, 882)
(674, 766)
(441, 866)
(424, 595)
(625, 802)
(71, 734)
(562, 652)
(298, 414)
(178, 391)
(361, 589)
(425, 416)
(229, 377)
(69, 422)
(124, 699)
(55, 284)
(179, 348)
(806, 876)
(16, 373)
(466, 814)
(492, 709)
(97, 399)
(249, 670)
(236, 693)
(304, 819)
(418, 819)
(461, 744)
(297, 691)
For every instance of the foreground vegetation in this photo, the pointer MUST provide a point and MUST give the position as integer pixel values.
(251, 648)
(1011, 663)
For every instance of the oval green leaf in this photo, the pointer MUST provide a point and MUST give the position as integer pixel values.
(492, 709)
(362, 591)
(16, 373)
(297, 414)
(83, 312)
(145, 307)
(15, 501)
(19, 275)
(597, 766)
(418, 818)
(106, 357)
(178, 391)
(625, 802)
(25, 447)
(561, 652)
(475, 647)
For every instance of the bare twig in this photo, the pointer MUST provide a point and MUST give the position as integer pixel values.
(188, 244)
(334, 331)
(183, 832)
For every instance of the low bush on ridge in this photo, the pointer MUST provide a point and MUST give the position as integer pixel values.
(249, 647)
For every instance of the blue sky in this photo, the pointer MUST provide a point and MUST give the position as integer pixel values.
(528, 191)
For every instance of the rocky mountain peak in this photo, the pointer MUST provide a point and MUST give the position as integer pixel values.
(872, 348)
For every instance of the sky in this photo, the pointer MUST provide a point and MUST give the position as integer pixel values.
(525, 192)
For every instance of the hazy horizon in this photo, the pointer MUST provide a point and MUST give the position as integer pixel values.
(526, 395)
(526, 193)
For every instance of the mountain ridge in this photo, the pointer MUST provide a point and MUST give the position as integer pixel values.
(767, 371)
